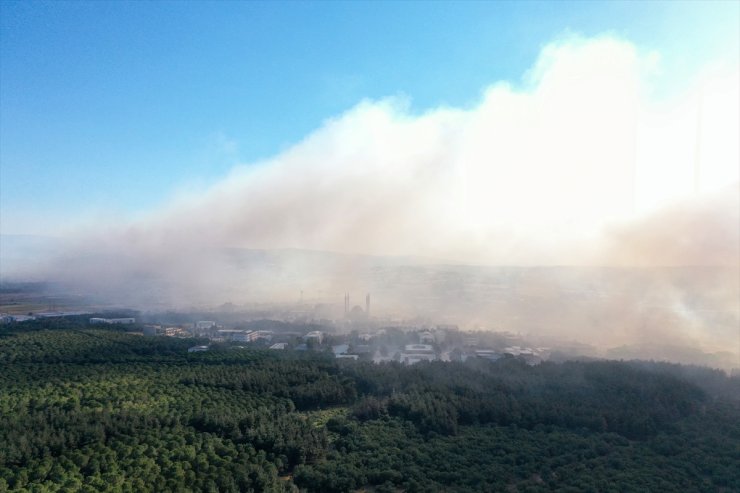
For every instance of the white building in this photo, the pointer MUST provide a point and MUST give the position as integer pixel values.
(197, 349)
(205, 325)
(125, 321)
(488, 354)
(175, 332)
(418, 348)
(346, 356)
(414, 353)
(242, 336)
(259, 334)
(316, 336)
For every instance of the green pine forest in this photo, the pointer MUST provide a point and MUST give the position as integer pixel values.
(89, 409)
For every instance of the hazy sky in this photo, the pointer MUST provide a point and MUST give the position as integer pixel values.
(110, 109)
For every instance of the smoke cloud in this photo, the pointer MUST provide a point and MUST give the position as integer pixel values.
(696, 232)
(529, 175)
(578, 164)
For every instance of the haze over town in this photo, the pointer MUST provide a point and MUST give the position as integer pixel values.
(589, 194)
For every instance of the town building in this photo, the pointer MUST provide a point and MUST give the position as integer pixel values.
(488, 354)
(316, 336)
(205, 325)
(414, 353)
(124, 321)
(340, 349)
(151, 330)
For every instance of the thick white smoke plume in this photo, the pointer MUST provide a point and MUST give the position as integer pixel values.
(529, 175)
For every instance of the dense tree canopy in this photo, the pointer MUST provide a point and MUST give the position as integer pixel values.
(90, 409)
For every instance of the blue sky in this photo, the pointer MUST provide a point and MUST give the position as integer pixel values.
(115, 106)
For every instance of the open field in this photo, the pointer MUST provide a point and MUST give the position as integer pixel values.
(23, 303)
